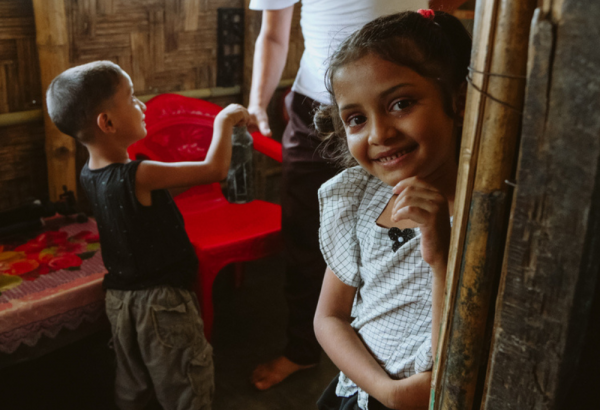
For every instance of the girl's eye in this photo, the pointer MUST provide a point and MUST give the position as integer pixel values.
(355, 120)
(401, 105)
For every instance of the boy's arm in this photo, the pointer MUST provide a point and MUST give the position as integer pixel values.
(270, 55)
(153, 175)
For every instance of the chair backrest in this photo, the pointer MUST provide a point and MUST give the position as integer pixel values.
(179, 129)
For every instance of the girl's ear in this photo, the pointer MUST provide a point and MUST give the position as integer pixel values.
(105, 123)
(460, 102)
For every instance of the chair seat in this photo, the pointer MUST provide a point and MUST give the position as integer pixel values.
(227, 225)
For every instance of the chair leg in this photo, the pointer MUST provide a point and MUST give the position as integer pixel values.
(204, 293)
(238, 274)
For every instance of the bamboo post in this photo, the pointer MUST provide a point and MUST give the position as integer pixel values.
(53, 50)
(490, 136)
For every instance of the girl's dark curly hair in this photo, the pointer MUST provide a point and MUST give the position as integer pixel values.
(438, 48)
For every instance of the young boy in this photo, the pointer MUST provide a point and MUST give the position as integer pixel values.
(157, 331)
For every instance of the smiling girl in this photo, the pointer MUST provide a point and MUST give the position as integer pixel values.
(398, 93)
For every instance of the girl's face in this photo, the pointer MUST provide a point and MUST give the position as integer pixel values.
(395, 122)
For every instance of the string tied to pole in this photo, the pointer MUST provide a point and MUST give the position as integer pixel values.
(469, 79)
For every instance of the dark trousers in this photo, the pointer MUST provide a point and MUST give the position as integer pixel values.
(329, 400)
(303, 172)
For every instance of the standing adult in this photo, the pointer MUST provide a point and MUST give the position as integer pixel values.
(325, 23)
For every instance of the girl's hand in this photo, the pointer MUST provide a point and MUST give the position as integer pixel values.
(234, 115)
(422, 203)
(411, 393)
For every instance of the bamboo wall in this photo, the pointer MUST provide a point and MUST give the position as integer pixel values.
(164, 45)
(22, 159)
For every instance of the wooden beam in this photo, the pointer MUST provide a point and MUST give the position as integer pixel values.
(53, 50)
(545, 312)
(490, 136)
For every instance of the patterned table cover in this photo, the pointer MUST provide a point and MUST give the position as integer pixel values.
(49, 299)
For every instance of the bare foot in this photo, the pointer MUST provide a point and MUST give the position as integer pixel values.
(269, 374)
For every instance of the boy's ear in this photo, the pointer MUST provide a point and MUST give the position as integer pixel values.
(105, 124)
(460, 102)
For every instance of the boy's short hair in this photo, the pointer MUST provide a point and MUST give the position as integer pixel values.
(75, 96)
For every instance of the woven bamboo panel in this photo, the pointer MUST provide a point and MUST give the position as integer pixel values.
(19, 67)
(164, 45)
(23, 174)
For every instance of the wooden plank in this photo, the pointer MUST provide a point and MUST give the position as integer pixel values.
(29, 77)
(53, 50)
(553, 255)
(4, 107)
(190, 10)
(157, 39)
(107, 7)
(140, 60)
(172, 24)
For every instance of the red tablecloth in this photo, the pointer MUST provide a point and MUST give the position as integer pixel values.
(59, 299)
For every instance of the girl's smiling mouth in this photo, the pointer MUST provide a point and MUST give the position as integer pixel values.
(387, 158)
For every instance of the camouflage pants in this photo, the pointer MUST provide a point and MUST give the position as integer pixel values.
(158, 337)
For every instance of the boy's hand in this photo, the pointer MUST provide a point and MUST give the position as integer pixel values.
(422, 203)
(234, 115)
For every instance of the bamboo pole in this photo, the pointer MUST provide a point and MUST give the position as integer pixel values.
(53, 49)
(21, 117)
(487, 159)
(25, 117)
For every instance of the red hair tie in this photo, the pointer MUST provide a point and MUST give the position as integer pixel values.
(427, 13)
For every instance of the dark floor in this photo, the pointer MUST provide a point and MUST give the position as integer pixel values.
(249, 329)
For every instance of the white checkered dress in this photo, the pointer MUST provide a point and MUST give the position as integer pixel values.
(392, 308)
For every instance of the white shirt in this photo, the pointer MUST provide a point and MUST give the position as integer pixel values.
(325, 24)
(392, 308)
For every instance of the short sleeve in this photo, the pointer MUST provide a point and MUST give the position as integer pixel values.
(271, 4)
(339, 200)
(424, 356)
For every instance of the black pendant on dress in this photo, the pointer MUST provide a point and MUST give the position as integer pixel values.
(400, 236)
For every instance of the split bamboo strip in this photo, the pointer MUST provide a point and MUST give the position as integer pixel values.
(201, 93)
(488, 154)
(22, 117)
(53, 50)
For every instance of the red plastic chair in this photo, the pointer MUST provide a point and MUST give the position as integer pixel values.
(180, 129)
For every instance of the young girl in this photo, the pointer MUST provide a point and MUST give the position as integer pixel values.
(398, 91)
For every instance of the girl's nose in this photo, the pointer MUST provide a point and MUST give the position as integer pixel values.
(381, 131)
(142, 106)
